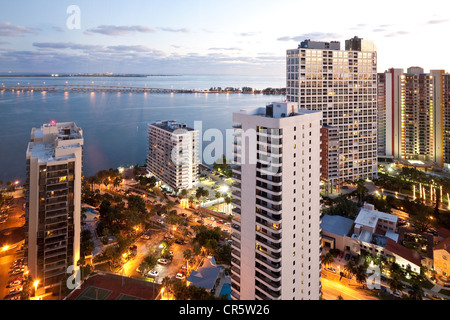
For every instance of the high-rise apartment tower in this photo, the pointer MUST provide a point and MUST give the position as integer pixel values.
(276, 194)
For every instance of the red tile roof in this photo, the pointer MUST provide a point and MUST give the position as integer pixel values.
(403, 252)
(444, 244)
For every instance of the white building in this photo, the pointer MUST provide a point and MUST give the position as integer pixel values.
(342, 84)
(53, 195)
(373, 232)
(276, 231)
(173, 154)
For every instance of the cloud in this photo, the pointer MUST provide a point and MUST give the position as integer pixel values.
(314, 36)
(225, 49)
(65, 45)
(248, 34)
(396, 34)
(183, 30)
(58, 29)
(9, 30)
(437, 21)
(111, 30)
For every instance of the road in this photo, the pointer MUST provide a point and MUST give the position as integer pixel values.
(11, 238)
(332, 288)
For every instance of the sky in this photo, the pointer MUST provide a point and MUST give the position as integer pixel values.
(245, 37)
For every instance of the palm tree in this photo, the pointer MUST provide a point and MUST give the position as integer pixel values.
(395, 283)
(117, 182)
(200, 193)
(187, 254)
(361, 274)
(350, 268)
(361, 190)
(327, 259)
(416, 292)
(183, 194)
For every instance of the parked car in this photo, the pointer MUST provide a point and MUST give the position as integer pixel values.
(15, 290)
(15, 283)
(145, 237)
(180, 276)
(163, 261)
(153, 273)
(179, 241)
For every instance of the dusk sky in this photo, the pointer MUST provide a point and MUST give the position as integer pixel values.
(213, 37)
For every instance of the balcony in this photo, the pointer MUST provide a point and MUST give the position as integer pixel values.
(275, 266)
(236, 211)
(275, 257)
(274, 208)
(275, 295)
(275, 276)
(273, 285)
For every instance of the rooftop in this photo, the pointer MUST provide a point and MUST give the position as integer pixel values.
(336, 224)
(171, 125)
(278, 110)
(369, 217)
(46, 139)
(206, 276)
(443, 245)
(403, 252)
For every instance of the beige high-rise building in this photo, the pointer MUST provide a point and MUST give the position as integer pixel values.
(343, 85)
(53, 202)
(276, 194)
(414, 117)
(173, 154)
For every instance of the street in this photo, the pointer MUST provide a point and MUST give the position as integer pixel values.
(11, 238)
(332, 288)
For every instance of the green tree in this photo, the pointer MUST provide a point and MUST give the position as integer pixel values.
(361, 274)
(183, 194)
(416, 291)
(395, 283)
(327, 259)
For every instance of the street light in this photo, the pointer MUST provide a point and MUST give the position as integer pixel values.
(35, 287)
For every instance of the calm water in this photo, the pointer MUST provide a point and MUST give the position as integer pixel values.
(115, 125)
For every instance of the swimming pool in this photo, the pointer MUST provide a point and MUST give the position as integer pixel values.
(226, 289)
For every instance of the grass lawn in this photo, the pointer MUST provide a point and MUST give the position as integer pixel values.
(445, 291)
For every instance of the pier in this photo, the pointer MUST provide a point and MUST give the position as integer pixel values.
(92, 88)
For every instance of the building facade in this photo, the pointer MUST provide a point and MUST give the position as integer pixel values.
(413, 116)
(53, 202)
(276, 194)
(173, 154)
(329, 156)
(343, 85)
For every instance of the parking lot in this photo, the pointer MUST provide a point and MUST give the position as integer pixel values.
(11, 240)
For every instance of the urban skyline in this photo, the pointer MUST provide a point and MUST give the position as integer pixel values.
(337, 189)
(202, 37)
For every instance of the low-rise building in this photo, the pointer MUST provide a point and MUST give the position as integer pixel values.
(441, 258)
(371, 232)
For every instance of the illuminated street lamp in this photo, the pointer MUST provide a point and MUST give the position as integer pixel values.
(35, 287)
